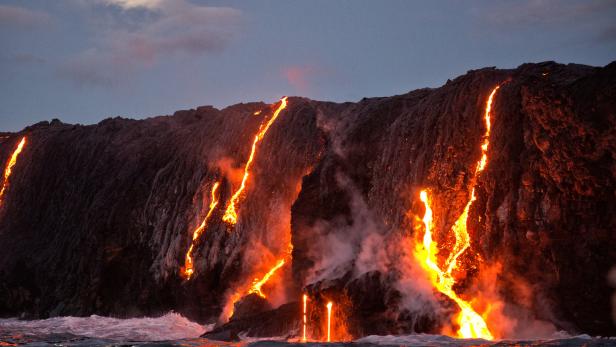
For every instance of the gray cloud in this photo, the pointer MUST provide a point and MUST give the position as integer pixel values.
(177, 27)
(543, 12)
(92, 68)
(22, 59)
(21, 17)
(608, 34)
(575, 21)
(132, 4)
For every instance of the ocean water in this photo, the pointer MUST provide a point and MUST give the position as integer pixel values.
(174, 330)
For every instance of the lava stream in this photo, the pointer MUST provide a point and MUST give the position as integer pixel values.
(305, 298)
(257, 284)
(471, 324)
(329, 320)
(459, 227)
(188, 269)
(255, 288)
(9, 166)
(230, 215)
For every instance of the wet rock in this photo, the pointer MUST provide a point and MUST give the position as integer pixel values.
(281, 322)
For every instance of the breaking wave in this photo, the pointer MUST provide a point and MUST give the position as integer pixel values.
(171, 326)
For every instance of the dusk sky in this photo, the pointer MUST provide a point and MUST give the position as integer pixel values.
(85, 60)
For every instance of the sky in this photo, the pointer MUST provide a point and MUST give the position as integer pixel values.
(86, 60)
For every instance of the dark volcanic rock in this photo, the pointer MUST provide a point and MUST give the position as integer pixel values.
(97, 219)
(250, 305)
(281, 322)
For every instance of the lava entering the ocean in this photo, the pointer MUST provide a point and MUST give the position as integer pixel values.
(471, 324)
(230, 215)
(9, 167)
(329, 321)
(187, 270)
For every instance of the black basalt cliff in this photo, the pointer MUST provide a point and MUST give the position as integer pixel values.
(97, 219)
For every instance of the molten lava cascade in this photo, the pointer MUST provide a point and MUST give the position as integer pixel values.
(230, 215)
(9, 167)
(471, 324)
(258, 283)
(187, 270)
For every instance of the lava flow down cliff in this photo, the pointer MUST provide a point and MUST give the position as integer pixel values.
(484, 208)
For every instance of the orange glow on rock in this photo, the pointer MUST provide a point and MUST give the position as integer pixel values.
(230, 215)
(471, 324)
(187, 270)
(253, 288)
(258, 283)
(9, 167)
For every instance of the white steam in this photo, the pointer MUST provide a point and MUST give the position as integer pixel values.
(343, 247)
(366, 244)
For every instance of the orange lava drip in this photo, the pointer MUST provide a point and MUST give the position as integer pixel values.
(305, 298)
(187, 270)
(471, 324)
(9, 166)
(329, 321)
(230, 215)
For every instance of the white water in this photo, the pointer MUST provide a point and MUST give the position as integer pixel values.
(182, 332)
(171, 326)
(440, 340)
(419, 339)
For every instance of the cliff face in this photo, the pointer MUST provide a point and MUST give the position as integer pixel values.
(97, 219)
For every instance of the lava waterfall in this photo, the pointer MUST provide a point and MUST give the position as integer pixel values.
(482, 208)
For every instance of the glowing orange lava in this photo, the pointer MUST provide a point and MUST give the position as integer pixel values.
(230, 215)
(187, 270)
(471, 324)
(9, 166)
(329, 321)
(254, 287)
(258, 283)
(305, 297)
